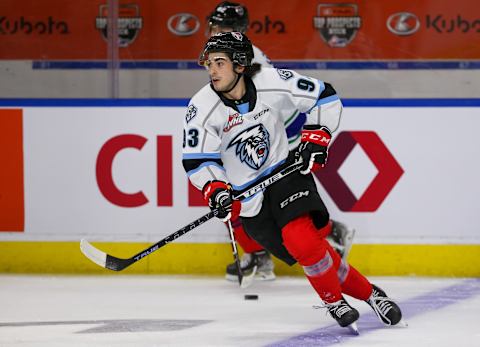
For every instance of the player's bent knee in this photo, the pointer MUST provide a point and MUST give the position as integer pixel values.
(303, 241)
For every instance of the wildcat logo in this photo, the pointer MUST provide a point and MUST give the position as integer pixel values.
(234, 119)
(294, 197)
(285, 74)
(252, 146)
(191, 113)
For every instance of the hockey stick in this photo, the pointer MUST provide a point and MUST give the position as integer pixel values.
(244, 281)
(117, 264)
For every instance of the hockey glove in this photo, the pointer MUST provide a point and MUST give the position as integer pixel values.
(313, 147)
(218, 194)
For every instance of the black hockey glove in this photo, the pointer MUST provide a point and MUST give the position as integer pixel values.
(218, 194)
(313, 148)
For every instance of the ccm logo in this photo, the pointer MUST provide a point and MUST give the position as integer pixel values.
(294, 197)
(318, 138)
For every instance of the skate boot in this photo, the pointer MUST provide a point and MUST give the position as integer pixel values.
(341, 238)
(264, 267)
(385, 309)
(344, 314)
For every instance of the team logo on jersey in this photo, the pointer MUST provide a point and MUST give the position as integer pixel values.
(337, 23)
(234, 119)
(191, 113)
(252, 146)
(285, 74)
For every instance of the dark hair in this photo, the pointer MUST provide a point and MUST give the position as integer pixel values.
(252, 70)
(236, 44)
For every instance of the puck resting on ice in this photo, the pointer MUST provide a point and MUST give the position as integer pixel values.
(251, 297)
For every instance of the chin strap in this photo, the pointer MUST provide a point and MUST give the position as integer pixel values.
(239, 75)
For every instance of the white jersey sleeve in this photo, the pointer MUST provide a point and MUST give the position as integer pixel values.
(314, 101)
(260, 58)
(202, 140)
(328, 109)
(289, 88)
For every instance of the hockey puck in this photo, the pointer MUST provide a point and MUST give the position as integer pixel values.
(251, 297)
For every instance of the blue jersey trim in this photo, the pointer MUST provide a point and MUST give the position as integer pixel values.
(263, 174)
(243, 108)
(205, 164)
(201, 156)
(296, 126)
(327, 99)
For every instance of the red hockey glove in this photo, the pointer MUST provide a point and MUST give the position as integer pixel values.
(218, 194)
(313, 148)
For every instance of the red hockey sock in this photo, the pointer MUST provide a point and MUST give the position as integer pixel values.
(326, 230)
(356, 285)
(248, 244)
(310, 249)
(353, 283)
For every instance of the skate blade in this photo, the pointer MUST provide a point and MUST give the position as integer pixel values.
(353, 328)
(402, 324)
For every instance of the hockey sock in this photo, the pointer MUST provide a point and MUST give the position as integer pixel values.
(248, 244)
(310, 249)
(353, 283)
(356, 285)
(326, 230)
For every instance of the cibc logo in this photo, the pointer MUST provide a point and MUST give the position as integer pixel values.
(403, 23)
(389, 172)
(183, 24)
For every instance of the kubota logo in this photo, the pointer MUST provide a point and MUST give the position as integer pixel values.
(389, 172)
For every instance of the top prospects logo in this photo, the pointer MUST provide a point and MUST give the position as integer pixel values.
(129, 23)
(337, 23)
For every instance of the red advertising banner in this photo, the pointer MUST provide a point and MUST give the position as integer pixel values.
(284, 30)
(11, 174)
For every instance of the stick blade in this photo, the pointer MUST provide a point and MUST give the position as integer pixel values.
(92, 253)
(247, 280)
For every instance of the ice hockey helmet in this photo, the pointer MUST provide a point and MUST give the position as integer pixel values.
(236, 44)
(229, 14)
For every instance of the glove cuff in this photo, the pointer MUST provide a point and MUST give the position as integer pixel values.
(318, 135)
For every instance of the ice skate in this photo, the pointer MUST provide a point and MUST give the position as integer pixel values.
(345, 315)
(385, 308)
(341, 238)
(259, 262)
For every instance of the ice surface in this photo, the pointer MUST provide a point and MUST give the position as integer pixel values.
(118, 310)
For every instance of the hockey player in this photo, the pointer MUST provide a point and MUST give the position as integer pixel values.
(230, 16)
(234, 135)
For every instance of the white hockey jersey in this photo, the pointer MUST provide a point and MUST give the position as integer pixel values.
(221, 143)
(260, 58)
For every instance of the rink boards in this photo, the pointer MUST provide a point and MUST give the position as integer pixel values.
(403, 173)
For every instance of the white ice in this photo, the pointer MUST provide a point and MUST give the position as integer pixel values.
(117, 310)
